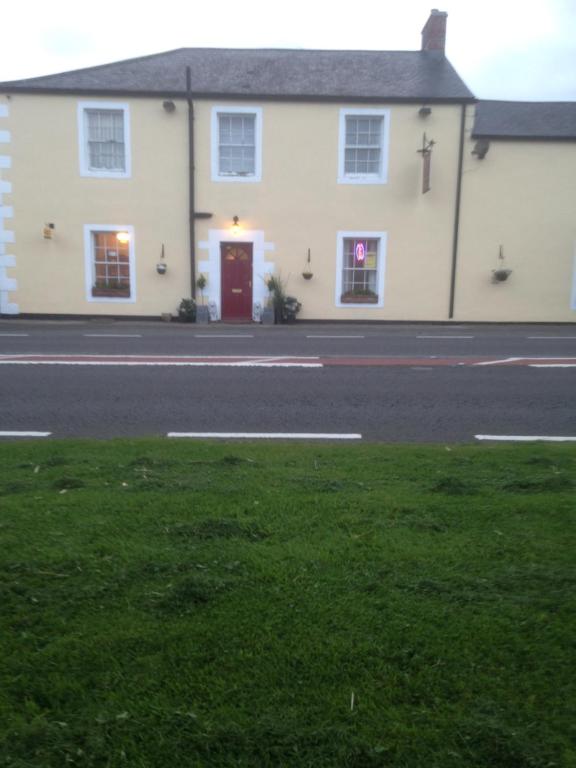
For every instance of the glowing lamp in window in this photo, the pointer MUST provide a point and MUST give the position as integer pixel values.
(360, 253)
(123, 237)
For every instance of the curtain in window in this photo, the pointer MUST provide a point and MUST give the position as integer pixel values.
(363, 145)
(105, 131)
(237, 144)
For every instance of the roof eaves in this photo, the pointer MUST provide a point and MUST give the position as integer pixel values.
(182, 94)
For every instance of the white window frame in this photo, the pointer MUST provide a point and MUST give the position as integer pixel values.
(103, 173)
(215, 144)
(89, 229)
(364, 178)
(382, 238)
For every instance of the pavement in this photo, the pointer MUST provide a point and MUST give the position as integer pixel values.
(376, 382)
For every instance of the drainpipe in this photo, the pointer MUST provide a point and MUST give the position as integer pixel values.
(192, 202)
(457, 214)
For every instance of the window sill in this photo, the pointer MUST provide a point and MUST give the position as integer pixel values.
(237, 178)
(86, 173)
(368, 179)
(111, 293)
(346, 299)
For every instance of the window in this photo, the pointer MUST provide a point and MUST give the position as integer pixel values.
(360, 265)
(236, 144)
(104, 139)
(109, 263)
(363, 146)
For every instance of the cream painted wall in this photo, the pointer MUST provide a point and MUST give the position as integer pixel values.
(298, 205)
(47, 187)
(522, 196)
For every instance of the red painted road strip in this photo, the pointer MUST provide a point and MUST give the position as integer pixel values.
(280, 360)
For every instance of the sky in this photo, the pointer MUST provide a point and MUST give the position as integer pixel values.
(503, 49)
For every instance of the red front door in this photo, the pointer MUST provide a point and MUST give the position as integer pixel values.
(236, 261)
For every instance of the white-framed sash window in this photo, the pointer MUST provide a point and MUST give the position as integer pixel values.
(109, 263)
(363, 146)
(104, 139)
(236, 144)
(360, 269)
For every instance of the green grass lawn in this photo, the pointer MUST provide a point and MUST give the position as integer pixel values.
(187, 604)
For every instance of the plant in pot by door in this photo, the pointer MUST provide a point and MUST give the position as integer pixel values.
(187, 311)
(284, 308)
(202, 312)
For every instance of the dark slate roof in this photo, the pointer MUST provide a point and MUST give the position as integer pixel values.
(525, 120)
(287, 74)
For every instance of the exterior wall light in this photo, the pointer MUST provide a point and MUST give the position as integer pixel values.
(123, 237)
(236, 226)
(48, 230)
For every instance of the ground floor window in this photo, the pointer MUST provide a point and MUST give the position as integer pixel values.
(109, 263)
(360, 277)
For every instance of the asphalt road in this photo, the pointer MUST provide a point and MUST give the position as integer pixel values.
(418, 383)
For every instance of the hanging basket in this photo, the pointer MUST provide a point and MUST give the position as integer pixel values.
(500, 275)
(307, 275)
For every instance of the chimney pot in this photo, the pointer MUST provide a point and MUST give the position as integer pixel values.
(434, 32)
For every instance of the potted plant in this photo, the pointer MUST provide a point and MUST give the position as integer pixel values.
(111, 288)
(187, 311)
(359, 296)
(500, 275)
(283, 308)
(202, 312)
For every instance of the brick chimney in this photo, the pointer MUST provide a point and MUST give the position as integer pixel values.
(434, 32)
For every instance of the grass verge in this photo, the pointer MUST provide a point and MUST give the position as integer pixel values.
(191, 604)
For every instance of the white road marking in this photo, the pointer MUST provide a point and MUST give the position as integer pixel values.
(444, 337)
(500, 362)
(517, 359)
(223, 335)
(527, 438)
(552, 365)
(269, 435)
(113, 335)
(334, 337)
(238, 364)
(551, 337)
(14, 334)
(24, 434)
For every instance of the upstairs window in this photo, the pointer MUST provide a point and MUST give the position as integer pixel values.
(236, 144)
(104, 140)
(363, 146)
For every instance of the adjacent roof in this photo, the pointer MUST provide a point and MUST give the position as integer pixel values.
(281, 74)
(525, 120)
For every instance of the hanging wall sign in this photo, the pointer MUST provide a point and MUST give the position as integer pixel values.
(426, 153)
